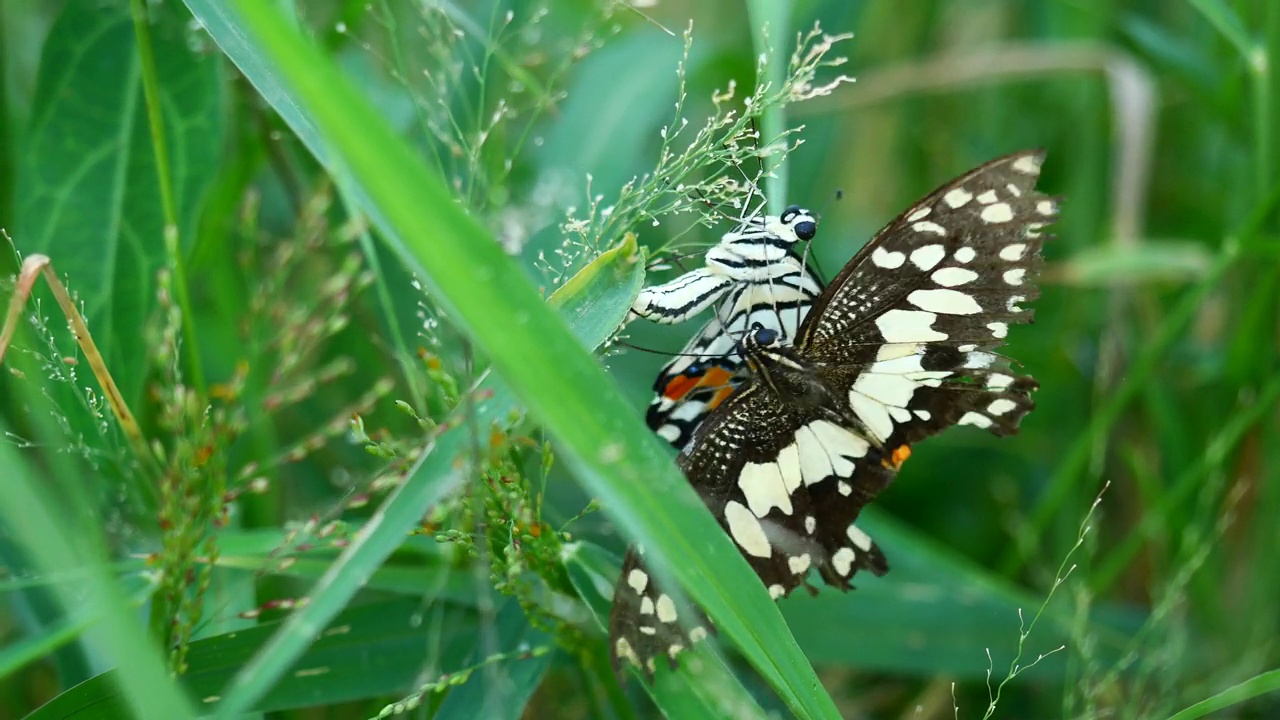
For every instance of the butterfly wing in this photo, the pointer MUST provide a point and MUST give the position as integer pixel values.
(922, 307)
(786, 484)
(645, 625)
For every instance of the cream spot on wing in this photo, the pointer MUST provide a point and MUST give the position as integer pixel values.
(1012, 252)
(965, 254)
(998, 329)
(666, 609)
(810, 524)
(975, 419)
(1012, 305)
(927, 257)
(998, 213)
(997, 381)
(1014, 277)
(646, 606)
(1027, 165)
(746, 530)
(799, 564)
(948, 302)
(623, 649)
(777, 591)
(698, 633)
(888, 260)
(764, 489)
(845, 488)
(815, 465)
(893, 351)
(1045, 207)
(675, 649)
(860, 540)
(908, 326)
(929, 227)
(919, 214)
(638, 580)
(987, 197)
(924, 415)
(957, 197)
(842, 560)
(886, 388)
(952, 276)
(1001, 406)
(978, 360)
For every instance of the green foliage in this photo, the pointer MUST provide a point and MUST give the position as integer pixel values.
(351, 307)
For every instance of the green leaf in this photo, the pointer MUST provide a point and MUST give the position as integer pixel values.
(380, 649)
(602, 438)
(87, 193)
(1111, 264)
(1267, 682)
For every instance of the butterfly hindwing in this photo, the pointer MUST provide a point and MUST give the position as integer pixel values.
(787, 484)
(645, 624)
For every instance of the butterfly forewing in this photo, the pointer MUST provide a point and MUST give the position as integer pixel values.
(922, 307)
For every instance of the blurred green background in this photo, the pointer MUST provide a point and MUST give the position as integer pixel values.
(1154, 344)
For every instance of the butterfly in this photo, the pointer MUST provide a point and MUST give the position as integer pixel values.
(756, 276)
(899, 347)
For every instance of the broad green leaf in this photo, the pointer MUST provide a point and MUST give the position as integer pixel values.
(87, 193)
(602, 438)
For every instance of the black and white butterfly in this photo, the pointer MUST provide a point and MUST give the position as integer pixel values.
(899, 347)
(753, 275)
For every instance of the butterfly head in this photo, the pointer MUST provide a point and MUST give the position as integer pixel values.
(795, 224)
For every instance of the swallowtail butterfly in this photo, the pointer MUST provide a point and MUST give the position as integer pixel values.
(756, 276)
(899, 347)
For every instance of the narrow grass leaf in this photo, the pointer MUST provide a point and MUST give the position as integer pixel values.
(1256, 686)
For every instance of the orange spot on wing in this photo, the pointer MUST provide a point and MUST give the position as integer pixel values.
(897, 457)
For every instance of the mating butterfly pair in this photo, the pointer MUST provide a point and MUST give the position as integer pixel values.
(899, 347)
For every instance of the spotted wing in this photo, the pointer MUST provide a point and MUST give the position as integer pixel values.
(922, 307)
(786, 485)
(645, 627)
(709, 368)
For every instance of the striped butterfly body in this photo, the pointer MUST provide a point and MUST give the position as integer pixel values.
(898, 347)
(754, 275)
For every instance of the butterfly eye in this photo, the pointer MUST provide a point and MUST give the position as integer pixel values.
(806, 229)
(764, 335)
